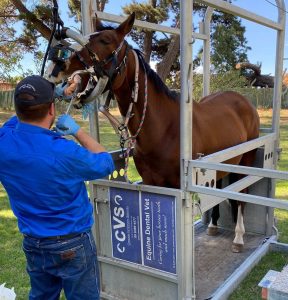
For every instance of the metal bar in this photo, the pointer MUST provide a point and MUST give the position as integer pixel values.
(146, 25)
(87, 27)
(240, 169)
(272, 202)
(236, 187)
(243, 13)
(265, 130)
(206, 52)
(186, 8)
(243, 183)
(278, 247)
(277, 92)
(239, 149)
(140, 187)
(242, 271)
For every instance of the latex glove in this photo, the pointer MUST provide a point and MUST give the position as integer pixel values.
(72, 85)
(66, 125)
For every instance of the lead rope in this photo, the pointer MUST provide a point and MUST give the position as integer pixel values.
(132, 139)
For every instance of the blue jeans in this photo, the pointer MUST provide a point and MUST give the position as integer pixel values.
(70, 264)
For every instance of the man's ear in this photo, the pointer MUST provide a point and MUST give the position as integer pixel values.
(52, 109)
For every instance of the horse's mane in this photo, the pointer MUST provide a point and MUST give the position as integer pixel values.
(159, 84)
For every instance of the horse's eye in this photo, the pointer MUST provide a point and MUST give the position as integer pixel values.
(104, 41)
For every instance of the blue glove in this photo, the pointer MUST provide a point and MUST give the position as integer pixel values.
(66, 125)
(59, 92)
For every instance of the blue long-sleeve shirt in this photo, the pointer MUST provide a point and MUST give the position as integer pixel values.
(44, 176)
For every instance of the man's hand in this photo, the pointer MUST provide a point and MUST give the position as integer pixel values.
(66, 125)
(72, 85)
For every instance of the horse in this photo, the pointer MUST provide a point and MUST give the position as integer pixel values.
(220, 120)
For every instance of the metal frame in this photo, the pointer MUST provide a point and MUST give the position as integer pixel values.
(186, 278)
(101, 203)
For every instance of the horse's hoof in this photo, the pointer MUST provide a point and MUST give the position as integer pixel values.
(237, 248)
(212, 231)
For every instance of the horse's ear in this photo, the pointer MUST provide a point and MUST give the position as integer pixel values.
(97, 23)
(125, 27)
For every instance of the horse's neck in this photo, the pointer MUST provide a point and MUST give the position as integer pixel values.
(161, 113)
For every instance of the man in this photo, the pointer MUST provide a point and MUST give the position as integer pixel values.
(43, 174)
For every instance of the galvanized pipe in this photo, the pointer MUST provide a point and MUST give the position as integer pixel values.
(87, 28)
(186, 8)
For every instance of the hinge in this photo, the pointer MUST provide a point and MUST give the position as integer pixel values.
(99, 200)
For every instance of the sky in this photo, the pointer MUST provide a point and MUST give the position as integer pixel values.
(262, 40)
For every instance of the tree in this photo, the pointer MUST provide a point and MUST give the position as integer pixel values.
(35, 20)
(35, 23)
(228, 43)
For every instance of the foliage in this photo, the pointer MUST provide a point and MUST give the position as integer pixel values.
(230, 80)
(152, 11)
(20, 28)
(229, 45)
(75, 8)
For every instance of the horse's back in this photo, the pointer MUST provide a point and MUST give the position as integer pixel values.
(222, 120)
(233, 106)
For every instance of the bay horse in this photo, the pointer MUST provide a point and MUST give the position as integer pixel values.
(220, 120)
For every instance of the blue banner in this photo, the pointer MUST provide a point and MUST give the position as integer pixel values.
(125, 224)
(159, 231)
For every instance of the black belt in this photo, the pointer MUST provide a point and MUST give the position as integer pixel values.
(57, 237)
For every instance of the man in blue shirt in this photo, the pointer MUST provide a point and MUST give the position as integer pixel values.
(43, 174)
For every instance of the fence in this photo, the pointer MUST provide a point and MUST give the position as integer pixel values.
(261, 98)
(7, 100)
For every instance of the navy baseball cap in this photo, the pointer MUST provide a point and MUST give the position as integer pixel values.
(41, 90)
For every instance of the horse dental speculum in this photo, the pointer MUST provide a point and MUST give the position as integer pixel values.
(77, 37)
(93, 91)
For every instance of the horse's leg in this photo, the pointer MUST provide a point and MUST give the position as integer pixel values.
(212, 227)
(238, 243)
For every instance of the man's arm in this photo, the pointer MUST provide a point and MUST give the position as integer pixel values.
(88, 142)
(66, 125)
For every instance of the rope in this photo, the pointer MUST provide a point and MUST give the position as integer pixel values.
(132, 139)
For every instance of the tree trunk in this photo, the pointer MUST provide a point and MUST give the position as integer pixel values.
(163, 67)
(256, 79)
(148, 45)
(37, 24)
(247, 65)
(101, 4)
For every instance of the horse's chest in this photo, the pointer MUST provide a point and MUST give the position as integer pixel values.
(158, 169)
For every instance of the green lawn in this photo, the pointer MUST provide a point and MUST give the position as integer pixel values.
(12, 261)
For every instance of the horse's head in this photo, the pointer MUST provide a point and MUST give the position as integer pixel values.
(65, 60)
(99, 50)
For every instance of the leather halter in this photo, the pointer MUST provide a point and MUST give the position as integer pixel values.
(115, 68)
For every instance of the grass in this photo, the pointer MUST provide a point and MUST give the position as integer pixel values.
(12, 260)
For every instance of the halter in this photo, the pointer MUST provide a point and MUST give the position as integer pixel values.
(122, 128)
(112, 72)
